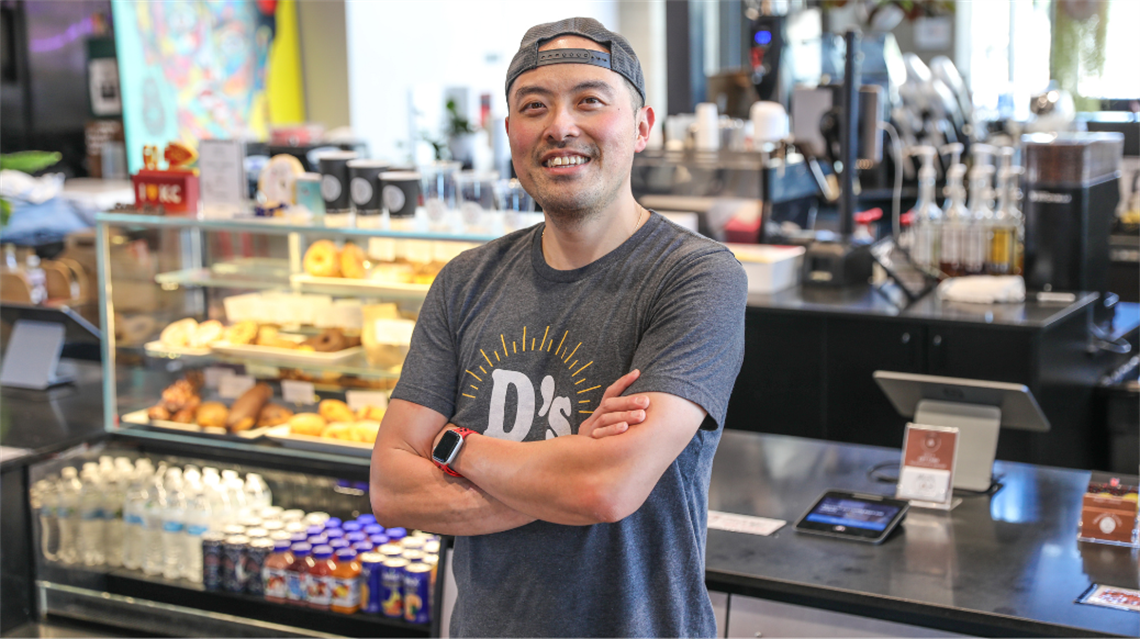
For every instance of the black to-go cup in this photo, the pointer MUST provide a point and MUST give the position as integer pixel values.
(364, 185)
(400, 192)
(334, 180)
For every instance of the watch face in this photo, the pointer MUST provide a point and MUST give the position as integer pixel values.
(445, 449)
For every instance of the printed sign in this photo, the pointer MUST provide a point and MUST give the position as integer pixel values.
(746, 524)
(1111, 597)
(297, 392)
(927, 473)
(234, 386)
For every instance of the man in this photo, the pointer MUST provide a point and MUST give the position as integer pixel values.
(577, 510)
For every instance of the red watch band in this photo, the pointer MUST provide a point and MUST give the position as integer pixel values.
(462, 432)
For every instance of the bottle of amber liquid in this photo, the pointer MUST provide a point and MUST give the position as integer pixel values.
(1004, 229)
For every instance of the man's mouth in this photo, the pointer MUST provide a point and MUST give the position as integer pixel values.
(565, 161)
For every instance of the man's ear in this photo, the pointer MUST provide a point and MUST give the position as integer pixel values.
(507, 124)
(645, 121)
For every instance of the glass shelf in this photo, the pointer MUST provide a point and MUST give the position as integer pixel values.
(278, 226)
(356, 365)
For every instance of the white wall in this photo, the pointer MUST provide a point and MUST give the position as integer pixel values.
(394, 45)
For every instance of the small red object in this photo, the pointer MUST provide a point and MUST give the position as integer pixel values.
(868, 216)
(740, 230)
(906, 219)
(175, 190)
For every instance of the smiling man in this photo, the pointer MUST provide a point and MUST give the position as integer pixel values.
(566, 385)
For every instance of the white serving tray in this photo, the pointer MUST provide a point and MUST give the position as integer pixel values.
(158, 349)
(285, 437)
(276, 354)
(139, 418)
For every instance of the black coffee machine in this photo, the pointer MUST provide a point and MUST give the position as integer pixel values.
(1071, 193)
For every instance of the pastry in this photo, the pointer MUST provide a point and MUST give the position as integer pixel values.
(338, 430)
(352, 261)
(273, 415)
(365, 431)
(184, 416)
(242, 333)
(176, 396)
(268, 336)
(212, 414)
(329, 340)
(179, 333)
(158, 412)
(244, 412)
(322, 260)
(334, 410)
(374, 413)
(307, 424)
(207, 333)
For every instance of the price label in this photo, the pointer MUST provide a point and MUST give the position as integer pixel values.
(359, 399)
(297, 392)
(214, 374)
(234, 386)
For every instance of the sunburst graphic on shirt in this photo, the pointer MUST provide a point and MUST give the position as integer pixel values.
(493, 372)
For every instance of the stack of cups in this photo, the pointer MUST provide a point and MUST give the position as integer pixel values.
(364, 190)
(335, 188)
(707, 127)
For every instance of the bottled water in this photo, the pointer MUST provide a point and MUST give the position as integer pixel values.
(199, 513)
(154, 509)
(257, 494)
(68, 514)
(91, 520)
(45, 501)
(115, 483)
(220, 507)
(173, 524)
(134, 505)
(235, 490)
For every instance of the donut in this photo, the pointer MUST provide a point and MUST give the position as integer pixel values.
(329, 341)
(321, 260)
(273, 415)
(242, 333)
(212, 414)
(179, 333)
(352, 261)
(334, 410)
(307, 424)
(207, 333)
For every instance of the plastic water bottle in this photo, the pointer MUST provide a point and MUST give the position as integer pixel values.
(115, 490)
(235, 490)
(68, 514)
(199, 516)
(173, 525)
(257, 493)
(154, 509)
(91, 521)
(134, 505)
(220, 507)
(45, 501)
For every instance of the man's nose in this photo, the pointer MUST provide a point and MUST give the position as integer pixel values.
(562, 125)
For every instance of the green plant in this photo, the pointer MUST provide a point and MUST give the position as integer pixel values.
(27, 162)
(457, 124)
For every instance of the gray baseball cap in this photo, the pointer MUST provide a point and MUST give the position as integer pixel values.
(621, 59)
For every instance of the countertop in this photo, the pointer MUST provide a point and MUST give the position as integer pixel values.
(40, 423)
(1002, 565)
(865, 301)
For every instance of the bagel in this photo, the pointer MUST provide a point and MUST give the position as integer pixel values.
(179, 333)
(329, 341)
(322, 260)
(207, 333)
(243, 332)
(352, 261)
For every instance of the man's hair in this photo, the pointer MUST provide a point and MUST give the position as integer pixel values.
(635, 97)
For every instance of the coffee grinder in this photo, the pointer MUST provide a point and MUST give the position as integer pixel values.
(1072, 191)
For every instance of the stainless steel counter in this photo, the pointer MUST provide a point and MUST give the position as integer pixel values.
(1002, 565)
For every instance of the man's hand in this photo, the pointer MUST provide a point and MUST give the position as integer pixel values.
(615, 413)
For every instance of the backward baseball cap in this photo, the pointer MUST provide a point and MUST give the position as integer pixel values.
(621, 59)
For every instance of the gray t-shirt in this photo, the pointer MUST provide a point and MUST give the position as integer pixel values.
(509, 347)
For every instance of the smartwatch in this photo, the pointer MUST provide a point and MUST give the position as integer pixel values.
(448, 449)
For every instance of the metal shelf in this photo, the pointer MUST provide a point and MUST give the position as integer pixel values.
(356, 365)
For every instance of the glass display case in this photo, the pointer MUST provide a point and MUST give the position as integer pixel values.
(257, 348)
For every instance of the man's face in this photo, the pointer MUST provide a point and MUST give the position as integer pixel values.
(573, 133)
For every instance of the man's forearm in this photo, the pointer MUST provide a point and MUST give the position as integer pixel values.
(408, 490)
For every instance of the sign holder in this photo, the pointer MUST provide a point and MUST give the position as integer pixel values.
(926, 477)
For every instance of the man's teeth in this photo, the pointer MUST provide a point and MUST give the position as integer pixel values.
(570, 160)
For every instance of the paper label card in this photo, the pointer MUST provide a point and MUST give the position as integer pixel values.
(213, 375)
(746, 524)
(221, 167)
(359, 399)
(234, 386)
(297, 392)
(927, 473)
(1111, 597)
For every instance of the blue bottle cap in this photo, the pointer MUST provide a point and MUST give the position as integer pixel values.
(351, 526)
(373, 529)
(301, 549)
(339, 543)
(363, 546)
(346, 554)
(314, 530)
(334, 533)
(367, 519)
(379, 540)
(333, 522)
(356, 536)
(322, 552)
(396, 534)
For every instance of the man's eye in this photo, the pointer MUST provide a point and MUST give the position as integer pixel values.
(591, 101)
(532, 105)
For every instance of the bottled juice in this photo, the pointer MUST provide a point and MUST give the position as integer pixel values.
(275, 574)
(318, 581)
(296, 571)
(346, 582)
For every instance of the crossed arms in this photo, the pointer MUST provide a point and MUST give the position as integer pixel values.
(602, 474)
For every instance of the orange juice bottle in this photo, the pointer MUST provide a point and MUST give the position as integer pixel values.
(346, 582)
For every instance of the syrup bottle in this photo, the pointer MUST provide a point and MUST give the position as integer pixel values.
(927, 216)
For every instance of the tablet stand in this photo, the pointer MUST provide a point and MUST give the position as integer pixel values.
(978, 437)
(33, 355)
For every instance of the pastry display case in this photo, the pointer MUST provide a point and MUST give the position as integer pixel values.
(257, 332)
